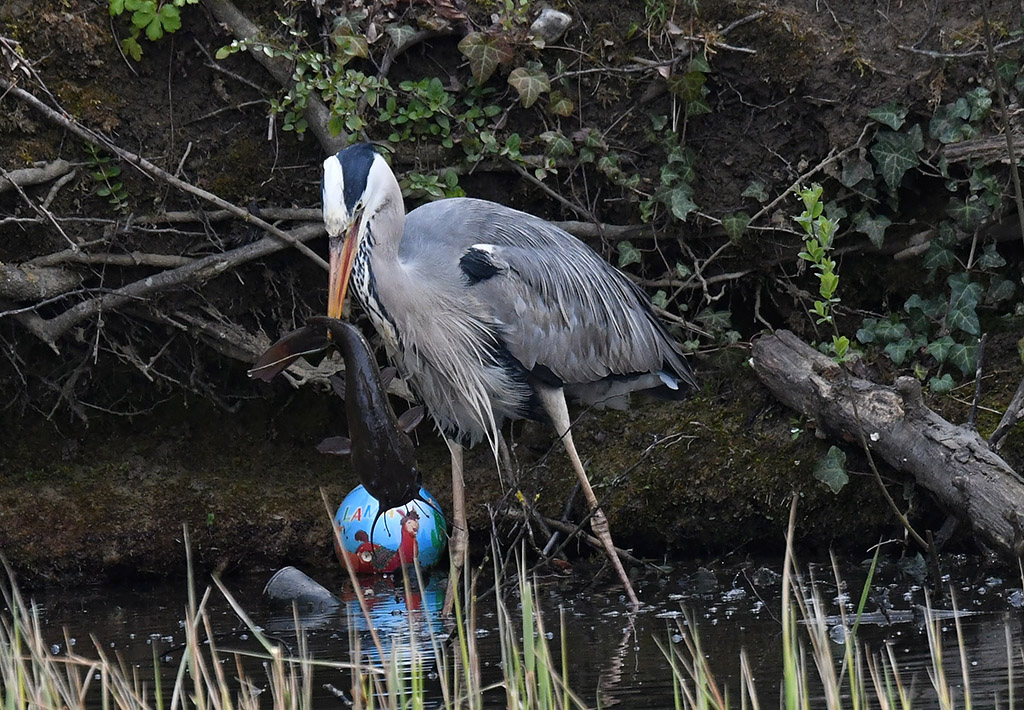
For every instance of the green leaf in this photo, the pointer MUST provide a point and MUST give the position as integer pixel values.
(530, 83)
(896, 153)
(831, 469)
(968, 213)
(145, 14)
(170, 18)
(558, 145)
(560, 105)
(628, 254)
(932, 307)
(938, 257)
(939, 349)
(891, 114)
(116, 7)
(941, 385)
(132, 48)
(735, 225)
(856, 170)
(980, 101)
(1001, 290)
(963, 303)
(660, 299)
(400, 34)
(715, 320)
(223, 53)
(874, 227)
(890, 329)
(899, 349)
(947, 125)
(485, 53)
(990, 258)
(155, 29)
(756, 189)
(965, 357)
(679, 201)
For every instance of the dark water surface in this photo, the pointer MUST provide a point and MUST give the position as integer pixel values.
(613, 656)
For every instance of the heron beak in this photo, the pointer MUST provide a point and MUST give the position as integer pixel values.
(341, 269)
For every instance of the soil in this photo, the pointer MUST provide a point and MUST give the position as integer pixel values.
(135, 427)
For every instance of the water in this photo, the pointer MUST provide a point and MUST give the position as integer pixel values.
(614, 657)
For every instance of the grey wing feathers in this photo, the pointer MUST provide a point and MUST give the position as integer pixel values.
(566, 308)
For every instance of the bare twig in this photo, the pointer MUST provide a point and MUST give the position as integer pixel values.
(957, 55)
(87, 134)
(972, 417)
(1007, 129)
(1012, 417)
(34, 175)
(194, 272)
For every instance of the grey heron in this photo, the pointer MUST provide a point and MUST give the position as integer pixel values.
(491, 314)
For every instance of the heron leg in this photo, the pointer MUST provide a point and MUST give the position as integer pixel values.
(553, 401)
(458, 541)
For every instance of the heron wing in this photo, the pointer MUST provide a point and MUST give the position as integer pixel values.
(563, 309)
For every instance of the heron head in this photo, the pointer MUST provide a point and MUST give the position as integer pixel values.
(352, 189)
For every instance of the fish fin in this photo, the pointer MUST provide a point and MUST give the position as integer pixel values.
(288, 349)
(337, 445)
(386, 375)
(410, 418)
(338, 385)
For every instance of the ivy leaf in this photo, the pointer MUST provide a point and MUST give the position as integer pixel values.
(938, 257)
(941, 385)
(484, 53)
(890, 330)
(735, 225)
(964, 357)
(561, 105)
(896, 153)
(714, 320)
(866, 333)
(756, 189)
(980, 101)
(963, 303)
(969, 213)
(947, 125)
(899, 349)
(400, 34)
(856, 170)
(831, 469)
(939, 349)
(1001, 290)
(628, 254)
(679, 201)
(932, 307)
(874, 227)
(558, 145)
(990, 258)
(660, 299)
(530, 83)
(891, 114)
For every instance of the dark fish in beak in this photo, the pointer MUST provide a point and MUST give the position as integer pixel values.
(382, 453)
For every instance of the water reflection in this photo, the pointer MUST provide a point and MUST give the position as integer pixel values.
(613, 659)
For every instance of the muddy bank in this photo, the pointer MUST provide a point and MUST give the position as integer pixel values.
(694, 479)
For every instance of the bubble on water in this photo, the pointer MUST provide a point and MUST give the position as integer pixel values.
(243, 637)
(838, 634)
(676, 638)
(676, 597)
(480, 633)
(55, 649)
(1016, 598)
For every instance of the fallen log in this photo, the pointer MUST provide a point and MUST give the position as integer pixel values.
(952, 462)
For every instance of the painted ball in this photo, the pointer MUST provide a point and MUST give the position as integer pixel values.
(412, 530)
